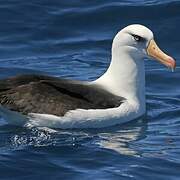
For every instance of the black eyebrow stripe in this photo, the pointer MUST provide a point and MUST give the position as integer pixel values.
(142, 38)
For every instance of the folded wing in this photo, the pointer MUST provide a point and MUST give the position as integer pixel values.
(51, 95)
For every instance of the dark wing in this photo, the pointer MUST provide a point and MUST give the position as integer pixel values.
(51, 95)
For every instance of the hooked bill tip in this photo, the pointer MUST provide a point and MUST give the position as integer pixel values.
(172, 63)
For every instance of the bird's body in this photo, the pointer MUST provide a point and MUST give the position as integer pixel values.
(116, 97)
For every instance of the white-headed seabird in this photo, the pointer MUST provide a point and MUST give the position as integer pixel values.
(116, 97)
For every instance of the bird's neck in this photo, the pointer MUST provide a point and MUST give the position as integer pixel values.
(125, 77)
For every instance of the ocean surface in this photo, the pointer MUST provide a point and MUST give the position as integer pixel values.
(72, 39)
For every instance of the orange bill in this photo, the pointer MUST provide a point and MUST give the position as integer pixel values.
(154, 51)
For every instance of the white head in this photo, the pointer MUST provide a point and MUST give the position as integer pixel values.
(138, 41)
(125, 75)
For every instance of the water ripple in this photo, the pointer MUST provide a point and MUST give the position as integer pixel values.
(72, 39)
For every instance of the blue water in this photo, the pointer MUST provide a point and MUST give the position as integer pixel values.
(72, 39)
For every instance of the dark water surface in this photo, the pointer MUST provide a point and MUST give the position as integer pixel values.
(72, 39)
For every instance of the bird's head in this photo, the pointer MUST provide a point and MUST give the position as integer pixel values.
(139, 41)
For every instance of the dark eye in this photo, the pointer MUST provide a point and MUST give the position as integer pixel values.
(137, 38)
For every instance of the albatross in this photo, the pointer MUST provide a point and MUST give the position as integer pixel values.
(118, 96)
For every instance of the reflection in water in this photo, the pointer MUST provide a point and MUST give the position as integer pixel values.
(120, 139)
(115, 138)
